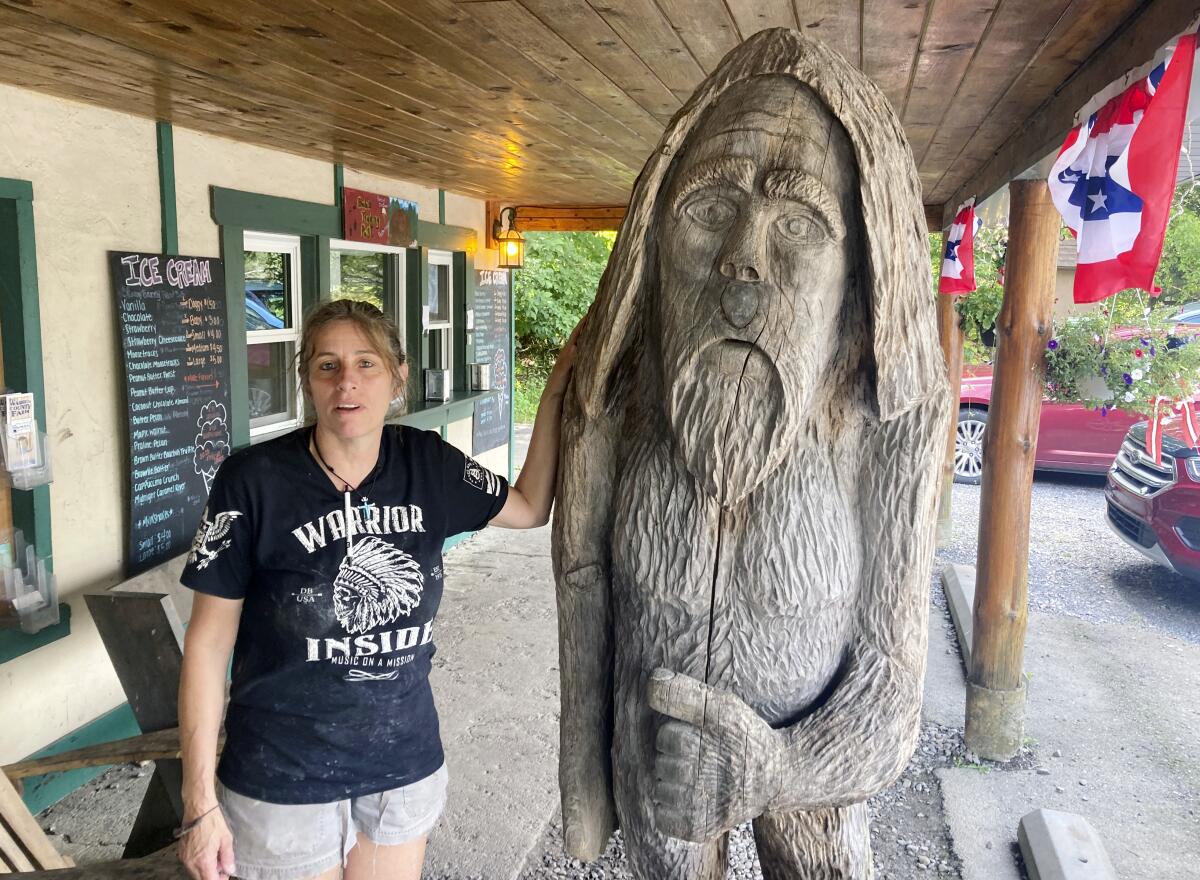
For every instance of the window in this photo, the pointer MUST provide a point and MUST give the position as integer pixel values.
(272, 271)
(438, 309)
(371, 273)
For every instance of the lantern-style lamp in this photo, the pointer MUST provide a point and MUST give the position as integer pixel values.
(508, 240)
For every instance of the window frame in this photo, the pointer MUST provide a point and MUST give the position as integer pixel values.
(394, 274)
(278, 243)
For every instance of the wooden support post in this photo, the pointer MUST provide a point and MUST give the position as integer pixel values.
(951, 336)
(996, 689)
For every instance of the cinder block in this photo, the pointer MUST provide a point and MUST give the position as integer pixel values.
(959, 584)
(1062, 846)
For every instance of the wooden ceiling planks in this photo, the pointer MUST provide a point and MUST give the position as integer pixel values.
(1082, 29)
(302, 97)
(581, 26)
(836, 23)
(648, 33)
(1014, 32)
(892, 34)
(752, 16)
(951, 37)
(525, 33)
(704, 26)
(540, 101)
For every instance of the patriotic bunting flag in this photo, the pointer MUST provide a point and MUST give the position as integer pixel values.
(958, 260)
(1114, 178)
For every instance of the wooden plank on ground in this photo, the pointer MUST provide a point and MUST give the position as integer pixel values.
(163, 865)
(24, 829)
(12, 858)
(160, 745)
(144, 640)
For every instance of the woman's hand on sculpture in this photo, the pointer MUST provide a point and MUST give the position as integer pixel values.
(206, 850)
(717, 763)
(560, 376)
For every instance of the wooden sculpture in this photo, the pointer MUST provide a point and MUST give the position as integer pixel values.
(745, 513)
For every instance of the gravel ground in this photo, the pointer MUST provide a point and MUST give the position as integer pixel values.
(908, 833)
(1079, 567)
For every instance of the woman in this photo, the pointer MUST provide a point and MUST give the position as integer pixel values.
(318, 565)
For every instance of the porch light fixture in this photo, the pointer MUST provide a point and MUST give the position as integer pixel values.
(508, 240)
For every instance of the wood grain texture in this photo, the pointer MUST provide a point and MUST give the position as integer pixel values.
(558, 101)
(155, 746)
(1025, 323)
(719, 524)
(23, 843)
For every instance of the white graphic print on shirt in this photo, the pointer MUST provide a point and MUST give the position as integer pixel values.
(375, 586)
(209, 531)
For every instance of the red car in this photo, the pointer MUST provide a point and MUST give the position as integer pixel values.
(1070, 437)
(1156, 508)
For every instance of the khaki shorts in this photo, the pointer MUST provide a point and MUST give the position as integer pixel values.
(295, 841)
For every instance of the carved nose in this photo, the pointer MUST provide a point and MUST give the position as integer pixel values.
(740, 305)
(739, 272)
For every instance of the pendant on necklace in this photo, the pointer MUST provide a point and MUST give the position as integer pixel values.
(366, 507)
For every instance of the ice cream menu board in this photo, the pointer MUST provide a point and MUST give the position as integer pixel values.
(173, 325)
(493, 307)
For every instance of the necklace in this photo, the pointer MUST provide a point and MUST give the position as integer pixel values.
(366, 507)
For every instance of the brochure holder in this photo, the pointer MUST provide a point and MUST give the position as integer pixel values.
(24, 449)
(29, 590)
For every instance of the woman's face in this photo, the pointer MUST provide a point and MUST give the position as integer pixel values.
(349, 382)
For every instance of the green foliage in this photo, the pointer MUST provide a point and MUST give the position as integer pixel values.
(979, 308)
(551, 294)
(359, 276)
(556, 287)
(1125, 365)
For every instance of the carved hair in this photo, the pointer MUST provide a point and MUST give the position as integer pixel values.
(379, 330)
(907, 359)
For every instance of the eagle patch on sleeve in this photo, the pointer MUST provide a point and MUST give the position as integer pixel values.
(480, 477)
(201, 553)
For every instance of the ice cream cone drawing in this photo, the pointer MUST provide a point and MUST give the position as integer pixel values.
(212, 442)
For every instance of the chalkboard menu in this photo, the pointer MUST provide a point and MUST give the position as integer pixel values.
(173, 326)
(493, 308)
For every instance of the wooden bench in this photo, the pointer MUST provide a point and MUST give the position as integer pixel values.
(142, 630)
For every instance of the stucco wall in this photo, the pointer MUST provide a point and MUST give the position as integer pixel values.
(95, 189)
(203, 160)
(95, 180)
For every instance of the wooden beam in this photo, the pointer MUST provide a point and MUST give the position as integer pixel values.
(1045, 128)
(950, 333)
(933, 218)
(557, 218)
(996, 688)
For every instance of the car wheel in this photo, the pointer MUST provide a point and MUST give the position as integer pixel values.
(968, 446)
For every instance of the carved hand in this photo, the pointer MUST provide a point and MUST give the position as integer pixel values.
(718, 763)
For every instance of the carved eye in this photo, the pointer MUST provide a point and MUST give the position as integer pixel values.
(711, 211)
(803, 228)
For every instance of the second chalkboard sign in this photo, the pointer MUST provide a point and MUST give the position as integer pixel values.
(174, 336)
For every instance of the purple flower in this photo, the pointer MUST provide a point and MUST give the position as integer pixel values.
(1104, 411)
(1104, 369)
(1144, 340)
(1128, 378)
(1152, 352)
(1052, 344)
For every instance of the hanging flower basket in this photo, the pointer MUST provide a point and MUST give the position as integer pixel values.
(1104, 367)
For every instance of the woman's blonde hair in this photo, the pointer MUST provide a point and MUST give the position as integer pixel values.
(379, 330)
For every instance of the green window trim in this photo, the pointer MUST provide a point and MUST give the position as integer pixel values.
(236, 212)
(21, 323)
(166, 187)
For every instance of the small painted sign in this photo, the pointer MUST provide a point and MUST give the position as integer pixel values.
(364, 216)
(402, 223)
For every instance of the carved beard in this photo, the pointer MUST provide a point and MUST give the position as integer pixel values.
(731, 418)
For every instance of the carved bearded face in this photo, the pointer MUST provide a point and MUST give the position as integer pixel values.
(756, 247)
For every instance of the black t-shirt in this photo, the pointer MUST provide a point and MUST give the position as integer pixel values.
(330, 694)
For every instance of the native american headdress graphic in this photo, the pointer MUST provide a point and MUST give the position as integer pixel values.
(375, 586)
